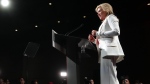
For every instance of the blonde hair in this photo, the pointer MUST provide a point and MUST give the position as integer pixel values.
(106, 7)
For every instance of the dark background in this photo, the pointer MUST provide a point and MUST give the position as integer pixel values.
(48, 62)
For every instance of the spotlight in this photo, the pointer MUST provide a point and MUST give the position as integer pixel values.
(50, 3)
(5, 3)
(63, 74)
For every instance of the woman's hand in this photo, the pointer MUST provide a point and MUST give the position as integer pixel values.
(94, 32)
(91, 38)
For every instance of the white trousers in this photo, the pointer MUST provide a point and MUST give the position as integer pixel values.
(108, 72)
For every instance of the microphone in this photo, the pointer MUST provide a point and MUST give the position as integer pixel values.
(67, 34)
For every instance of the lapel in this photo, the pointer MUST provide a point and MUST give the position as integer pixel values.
(101, 29)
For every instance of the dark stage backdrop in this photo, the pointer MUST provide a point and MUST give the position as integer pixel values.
(44, 67)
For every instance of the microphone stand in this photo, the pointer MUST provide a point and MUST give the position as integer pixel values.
(67, 34)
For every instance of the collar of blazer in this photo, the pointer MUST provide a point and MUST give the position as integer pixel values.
(101, 26)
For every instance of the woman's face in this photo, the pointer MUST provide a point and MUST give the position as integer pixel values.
(101, 13)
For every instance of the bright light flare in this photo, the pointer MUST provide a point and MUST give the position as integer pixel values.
(16, 29)
(63, 74)
(5, 3)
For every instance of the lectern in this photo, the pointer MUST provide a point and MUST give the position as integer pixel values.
(71, 47)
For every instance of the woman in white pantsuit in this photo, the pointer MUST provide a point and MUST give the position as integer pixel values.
(108, 45)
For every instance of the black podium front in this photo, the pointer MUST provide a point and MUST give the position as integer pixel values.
(72, 48)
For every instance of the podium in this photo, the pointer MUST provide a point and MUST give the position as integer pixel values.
(74, 49)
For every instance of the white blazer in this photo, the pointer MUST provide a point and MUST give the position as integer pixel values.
(108, 37)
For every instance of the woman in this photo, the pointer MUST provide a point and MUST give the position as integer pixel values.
(107, 42)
